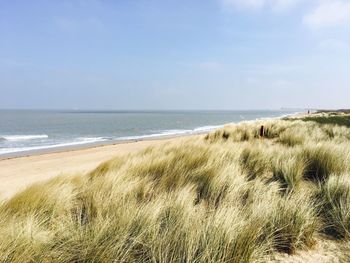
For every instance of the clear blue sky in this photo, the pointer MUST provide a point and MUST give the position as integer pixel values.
(179, 54)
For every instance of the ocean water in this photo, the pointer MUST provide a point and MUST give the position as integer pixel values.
(25, 131)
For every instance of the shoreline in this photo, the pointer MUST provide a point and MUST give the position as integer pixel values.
(76, 147)
(19, 172)
(72, 148)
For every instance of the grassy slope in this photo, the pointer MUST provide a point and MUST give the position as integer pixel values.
(227, 197)
(333, 119)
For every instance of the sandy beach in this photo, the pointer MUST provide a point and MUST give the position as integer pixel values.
(18, 173)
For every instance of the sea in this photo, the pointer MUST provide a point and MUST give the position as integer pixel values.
(28, 131)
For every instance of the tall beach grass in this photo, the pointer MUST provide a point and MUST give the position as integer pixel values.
(229, 196)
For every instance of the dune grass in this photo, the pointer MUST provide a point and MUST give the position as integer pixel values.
(334, 197)
(330, 118)
(229, 196)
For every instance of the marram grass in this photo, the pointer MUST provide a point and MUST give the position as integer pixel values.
(229, 196)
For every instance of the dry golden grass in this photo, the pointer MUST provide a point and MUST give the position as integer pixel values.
(229, 196)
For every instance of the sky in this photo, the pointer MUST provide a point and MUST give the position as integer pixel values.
(179, 54)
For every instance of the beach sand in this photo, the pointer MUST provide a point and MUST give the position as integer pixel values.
(18, 173)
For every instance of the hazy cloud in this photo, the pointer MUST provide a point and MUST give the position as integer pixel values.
(276, 5)
(329, 14)
(242, 4)
(325, 13)
(281, 5)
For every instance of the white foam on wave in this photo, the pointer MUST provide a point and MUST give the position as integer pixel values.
(79, 141)
(170, 133)
(14, 138)
(207, 128)
(154, 135)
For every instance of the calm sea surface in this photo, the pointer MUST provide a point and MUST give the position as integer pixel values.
(23, 131)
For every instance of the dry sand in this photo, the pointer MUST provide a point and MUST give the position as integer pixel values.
(325, 250)
(18, 173)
